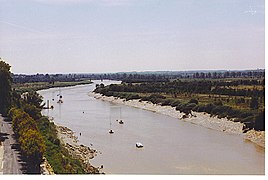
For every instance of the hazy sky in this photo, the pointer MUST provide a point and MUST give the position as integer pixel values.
(62, 36)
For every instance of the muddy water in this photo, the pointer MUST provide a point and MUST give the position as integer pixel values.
(171, 146)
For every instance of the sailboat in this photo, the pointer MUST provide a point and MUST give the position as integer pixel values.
(60, 97)
(120, 121)
(139, 145)
(111, 131)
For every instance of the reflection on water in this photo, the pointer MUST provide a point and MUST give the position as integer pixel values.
(171, 146)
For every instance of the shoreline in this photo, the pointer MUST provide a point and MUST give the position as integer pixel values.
(198, 118)
(76, 150)
(54, 86)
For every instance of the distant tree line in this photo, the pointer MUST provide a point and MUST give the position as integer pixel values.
(193, 86)
(51, 78)
(131, 77)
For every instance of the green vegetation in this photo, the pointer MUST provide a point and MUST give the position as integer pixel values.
(30, 140)
(38, 137)
(5, 87)
(218, 97)
(56, 154)
(35, 86)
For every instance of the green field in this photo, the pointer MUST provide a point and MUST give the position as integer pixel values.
(35, 86)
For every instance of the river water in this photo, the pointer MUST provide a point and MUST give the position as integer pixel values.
(171, 146)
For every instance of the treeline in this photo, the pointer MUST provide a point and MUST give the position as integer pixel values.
(191, 86)
(164, 76)
(51, 78)
(138, 77)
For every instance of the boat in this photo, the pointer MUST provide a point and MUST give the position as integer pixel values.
(139, 145)
(111, 131)
(60, 97)
(60, 101)
(120, 121)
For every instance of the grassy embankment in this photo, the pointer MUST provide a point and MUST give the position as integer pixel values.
(35, 86)
(57, 155)
(55, 152)
(231, 98)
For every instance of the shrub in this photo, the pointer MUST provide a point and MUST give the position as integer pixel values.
(166, 102)
(194, 101)
(132, 96)
(175, 103)
(260, 122)
(33, 111)
(30, 139)
(156, 96)
(218, 103)
(209, 107)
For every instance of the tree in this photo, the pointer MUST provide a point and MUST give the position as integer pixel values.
(33, 111)
(5, 87)
(33, 98)
(33, 148)
(31, 142)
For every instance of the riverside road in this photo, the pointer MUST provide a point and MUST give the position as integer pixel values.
(10, 162)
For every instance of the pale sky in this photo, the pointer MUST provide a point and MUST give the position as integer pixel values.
(85, 36)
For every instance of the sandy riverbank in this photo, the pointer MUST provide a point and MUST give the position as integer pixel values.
(198, 118)
(76, 150)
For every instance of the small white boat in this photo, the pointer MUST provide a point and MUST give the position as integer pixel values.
(139, 145)
(121, 122)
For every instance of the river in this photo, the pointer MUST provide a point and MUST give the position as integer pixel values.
(171, 146)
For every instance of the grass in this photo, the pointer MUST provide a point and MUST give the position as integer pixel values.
(56, 154)
(258, 87)
(26, 87)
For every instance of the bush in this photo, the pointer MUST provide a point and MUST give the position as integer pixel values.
(157, 96)
(200, 108)
(30, 139)
(175, 103)
(260, 122)
(33, 111)
(109, 93)
(166, 102)
(194, 101)
(132, 96)
(209, 107)
(57, 156)
(190, 105)
(218, 103)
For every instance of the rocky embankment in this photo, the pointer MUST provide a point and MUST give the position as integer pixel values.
(202, 119)
(78, 151)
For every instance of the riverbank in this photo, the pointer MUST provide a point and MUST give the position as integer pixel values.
(198, 118)
(76, 150)
(36, 86)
